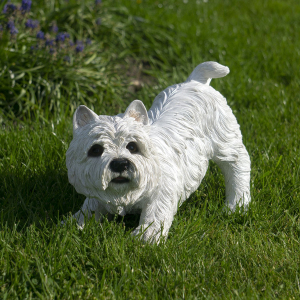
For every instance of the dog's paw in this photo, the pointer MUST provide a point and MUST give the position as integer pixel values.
(240, 208)
(149, 233)
(80, 225)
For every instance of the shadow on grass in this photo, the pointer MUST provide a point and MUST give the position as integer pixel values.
(29, 197)
(130, 221)
(47, 197)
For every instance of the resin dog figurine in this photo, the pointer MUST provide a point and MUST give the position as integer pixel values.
(150, 162)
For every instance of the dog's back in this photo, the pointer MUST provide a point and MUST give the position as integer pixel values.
(201, 75)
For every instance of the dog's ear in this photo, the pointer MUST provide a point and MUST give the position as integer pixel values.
(138, 111)
(83, 116)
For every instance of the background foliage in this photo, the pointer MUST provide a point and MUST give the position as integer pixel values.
(114, 52)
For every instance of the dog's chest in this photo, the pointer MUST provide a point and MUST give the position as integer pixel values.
(123, 209)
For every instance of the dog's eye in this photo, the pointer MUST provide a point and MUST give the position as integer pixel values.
(132, 147)
(95, 151)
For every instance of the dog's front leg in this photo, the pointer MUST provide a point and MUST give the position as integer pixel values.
(89, 207)
(156, 220)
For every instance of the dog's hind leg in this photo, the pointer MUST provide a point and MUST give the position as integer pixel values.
(236, 168)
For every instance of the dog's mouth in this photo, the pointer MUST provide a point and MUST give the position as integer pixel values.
(120, 179)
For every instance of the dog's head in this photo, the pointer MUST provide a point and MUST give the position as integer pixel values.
(112, 158)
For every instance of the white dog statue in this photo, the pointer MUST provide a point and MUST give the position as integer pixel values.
(151, 162)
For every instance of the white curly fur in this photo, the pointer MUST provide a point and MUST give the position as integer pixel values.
(187, 125)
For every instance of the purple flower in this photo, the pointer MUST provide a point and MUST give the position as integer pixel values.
(4, 11)
(79, 47)
(71, 43)
(60, 37)
(11, 27)
(88, 41)
(9, 8)
(10, 24)
(98, 2)
(40, 35)
(51, 51)
(25, 6)
(49, 43)
(31, 23)
(54, 28)
(14, 31)
(98, 21)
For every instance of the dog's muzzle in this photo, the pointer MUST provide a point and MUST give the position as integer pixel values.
(120, 165)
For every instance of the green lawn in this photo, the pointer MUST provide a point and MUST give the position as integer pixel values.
(133, 50)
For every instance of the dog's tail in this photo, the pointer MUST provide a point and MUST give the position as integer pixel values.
(204, 72)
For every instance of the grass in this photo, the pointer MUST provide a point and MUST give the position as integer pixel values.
(140, 48)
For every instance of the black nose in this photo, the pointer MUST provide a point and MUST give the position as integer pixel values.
(119, 165)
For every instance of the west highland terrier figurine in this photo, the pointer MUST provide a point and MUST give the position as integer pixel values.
(151, 162)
